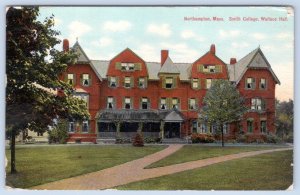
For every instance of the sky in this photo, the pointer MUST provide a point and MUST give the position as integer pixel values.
(103, 32)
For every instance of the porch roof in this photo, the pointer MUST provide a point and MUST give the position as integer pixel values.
(125, 115)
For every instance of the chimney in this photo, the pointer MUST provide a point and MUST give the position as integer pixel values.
(232, 61)
(65, 45)
(164, 55)
(212, 49)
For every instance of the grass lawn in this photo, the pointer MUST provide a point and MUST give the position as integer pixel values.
(198, 152)
(271, 171)
(38, 165)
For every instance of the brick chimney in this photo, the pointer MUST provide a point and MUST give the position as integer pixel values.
(164, 55)
(66, 45)
(212, 49)
(232, 61)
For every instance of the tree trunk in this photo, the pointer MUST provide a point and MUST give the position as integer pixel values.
(222, 133)
(13, 152)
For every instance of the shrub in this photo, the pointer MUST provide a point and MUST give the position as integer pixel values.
(138, 140)
(202, 138)
(241, 138)
(290, 139)
(122, 140)
(149, 140)
(272, 139)
(59, 133)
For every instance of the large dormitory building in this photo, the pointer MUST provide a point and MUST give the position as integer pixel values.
(126, 94)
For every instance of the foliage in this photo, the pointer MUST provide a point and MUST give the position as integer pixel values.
(284, 118)
(152, 140)
(138, 140)
(33, 67)
(122, 140)
(59, 133)
(222, 104)
(273, 139)
(202, 138)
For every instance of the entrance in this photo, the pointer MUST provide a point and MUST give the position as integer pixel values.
(172, 130)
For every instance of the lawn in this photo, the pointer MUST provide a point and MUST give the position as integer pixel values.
(38, 165)
(198, 152)
(272, 171)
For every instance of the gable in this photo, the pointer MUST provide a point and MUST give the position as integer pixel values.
(173, 117)
(258, 61)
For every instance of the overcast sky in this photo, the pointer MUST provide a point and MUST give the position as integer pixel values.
(103, 32)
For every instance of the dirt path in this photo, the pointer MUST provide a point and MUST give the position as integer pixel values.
(134, 171)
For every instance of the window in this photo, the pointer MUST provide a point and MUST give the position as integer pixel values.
(127, 82)
(226, 128)
(39, 134)
(163, 103)
(142, 83)
(192, 104)
(195, 83)
(175, 103)
(209, 68)
(169, 83)
(70, 79)
(203, 128)
(263, 126)
(257, 104)
(144, 103)
(85, 80)
(250, 83)
(71, 127)
(85, 126)
(208, 83)
(113, 82)
(262, 84)
(127, 66)
(84, 97)
(250, 125)
(127, 103)
(110, 102)
(194, 127)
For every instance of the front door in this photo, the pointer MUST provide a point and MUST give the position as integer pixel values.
(172, 130)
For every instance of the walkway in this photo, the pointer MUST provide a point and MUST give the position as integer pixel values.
(134, 171)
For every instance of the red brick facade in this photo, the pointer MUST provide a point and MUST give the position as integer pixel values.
(189, 83)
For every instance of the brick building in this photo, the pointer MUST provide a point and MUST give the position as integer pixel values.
(127, 94)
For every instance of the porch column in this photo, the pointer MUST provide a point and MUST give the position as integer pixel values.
(162, 129)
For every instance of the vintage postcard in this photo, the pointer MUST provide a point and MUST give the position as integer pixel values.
(149, 98)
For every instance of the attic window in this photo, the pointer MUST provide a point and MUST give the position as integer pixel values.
(163, 103)
(209, 68)
(169, 82)
(127, 66)
(250, 83)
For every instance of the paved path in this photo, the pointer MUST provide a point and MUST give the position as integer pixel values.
(134, 171)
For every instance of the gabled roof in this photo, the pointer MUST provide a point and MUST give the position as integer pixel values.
(100, 66)
(82, 58)
(248, 62)
(130, 51)
(169, 67)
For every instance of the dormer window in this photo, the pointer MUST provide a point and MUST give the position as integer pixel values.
(169, 83)
(113, 82)
(127, 66)
(163, 103)
(85, 79)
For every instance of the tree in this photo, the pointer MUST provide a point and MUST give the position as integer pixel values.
(222, 105)
(33, 68)
(284, 118)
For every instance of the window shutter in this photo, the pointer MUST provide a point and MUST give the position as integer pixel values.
(174, 82)
(138, 66)
(81, 79)
(117, 81)
(245, 83)
(199, 86)
(123, 103)
(263, 104)
(253, 83)
(196, 103)
(218, 68)
(90, 80)
(163, 82)
(74, 79)
(205, 85)
(108, 81)
(169, 103)
(146, 82)
(189, 104)
(178, 104)
(131, 81)
(131, 103)
(118, 65)
(200, 67)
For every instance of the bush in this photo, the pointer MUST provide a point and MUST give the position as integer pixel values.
(202, 138)
(138, 140)
(272, 139)
(122, 140)
(149, 140)
(290, 139)
(59, 133)
(241, 139)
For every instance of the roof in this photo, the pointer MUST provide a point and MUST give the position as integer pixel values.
(169, 67)
(101, 67)
(254, 59)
